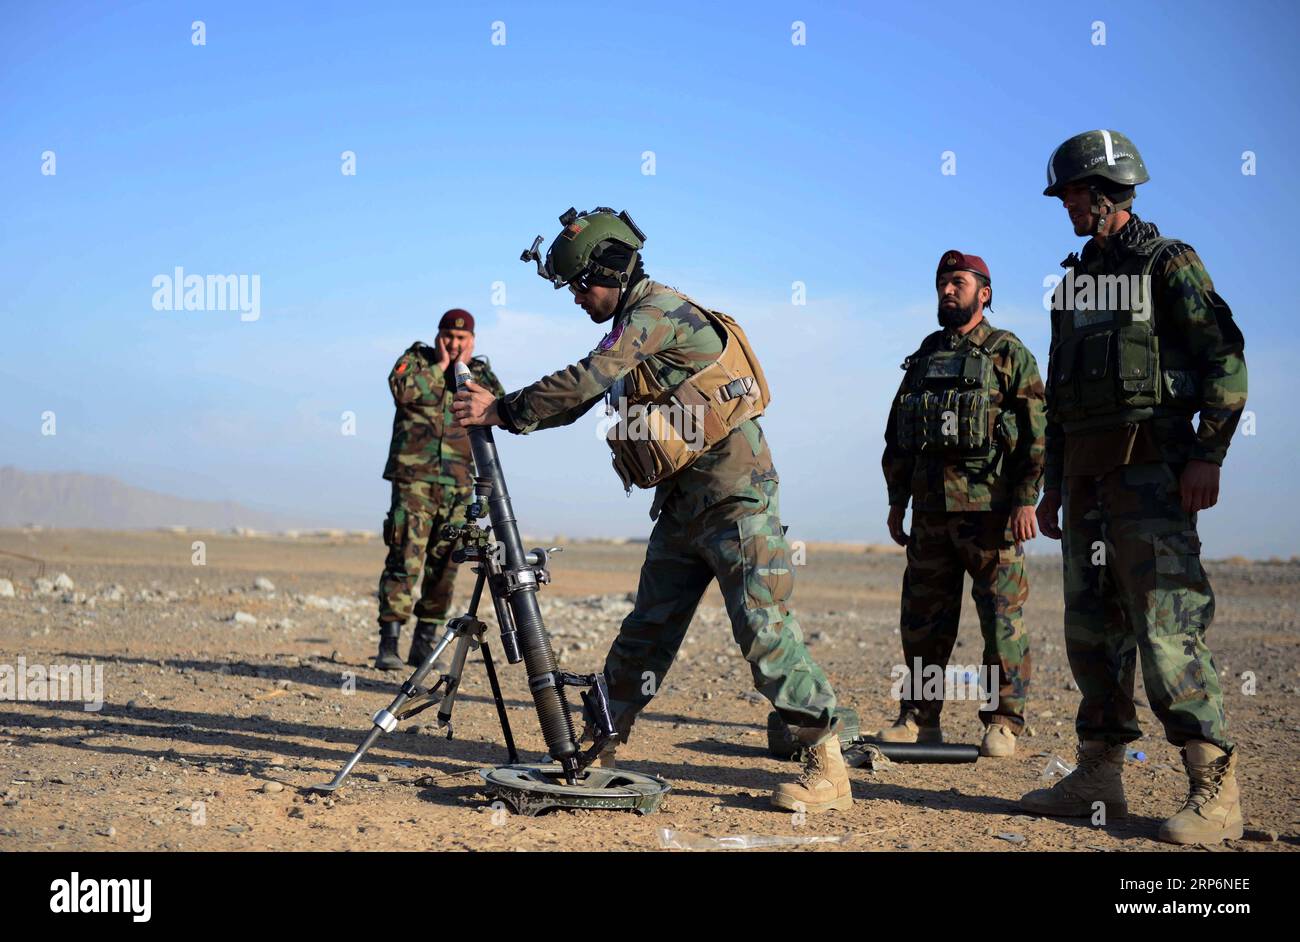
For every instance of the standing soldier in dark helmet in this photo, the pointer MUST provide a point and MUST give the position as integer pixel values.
(687, 389)
(432, 472)
(964, 442)
(1141, 342)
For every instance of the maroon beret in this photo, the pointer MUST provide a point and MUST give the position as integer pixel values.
(457, 319)
(953, 260)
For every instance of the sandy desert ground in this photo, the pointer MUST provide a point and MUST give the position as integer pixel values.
(210, 727)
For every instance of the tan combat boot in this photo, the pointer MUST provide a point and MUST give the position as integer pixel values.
(1212, 811)
(999, 741)
(823, 785)
(1096, 778)
(906, 729)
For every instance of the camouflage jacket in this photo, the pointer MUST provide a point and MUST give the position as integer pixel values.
(1189, 316)
(1013, 475)
(428, 444)
(659, 325)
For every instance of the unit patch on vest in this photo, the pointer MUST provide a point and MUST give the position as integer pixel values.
(944, 367)
(1088, 318)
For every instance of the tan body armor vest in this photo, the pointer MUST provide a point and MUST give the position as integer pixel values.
(664, 430)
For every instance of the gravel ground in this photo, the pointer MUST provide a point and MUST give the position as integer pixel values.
(230, 685)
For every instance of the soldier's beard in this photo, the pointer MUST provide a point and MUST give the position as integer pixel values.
(956, 315)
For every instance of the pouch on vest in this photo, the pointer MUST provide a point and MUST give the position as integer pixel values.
(946, 410)
(663, 431)
(1109, 362)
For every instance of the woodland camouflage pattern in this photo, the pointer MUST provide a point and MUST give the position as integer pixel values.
(661, 326)
(431, 467)
(1013, 477)
(1134, 584)
(428, 444)
(740, 542)
(944, 547)
(718, 518)
(1190, 318)
(418, 555)
(960, 511)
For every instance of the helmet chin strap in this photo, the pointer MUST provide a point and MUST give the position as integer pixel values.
(1103, 207)
(624, 277)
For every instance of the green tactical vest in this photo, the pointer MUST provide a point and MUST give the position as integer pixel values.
(946, 408)
(1109, 365)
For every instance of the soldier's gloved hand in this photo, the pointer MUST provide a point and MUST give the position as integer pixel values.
(1022, 524)
(1199, 486)
(1048, 509)
(895, 524)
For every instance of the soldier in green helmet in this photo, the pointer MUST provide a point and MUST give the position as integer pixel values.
(1141, 343)
(686, 389)
(964, 442)
(432, 474)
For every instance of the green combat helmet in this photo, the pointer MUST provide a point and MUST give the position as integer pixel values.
(574, 257)
(1107, 161)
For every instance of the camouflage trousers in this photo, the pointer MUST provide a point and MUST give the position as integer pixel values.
(1134, 587)
(942, 549)
(742, 544)
(417, 552)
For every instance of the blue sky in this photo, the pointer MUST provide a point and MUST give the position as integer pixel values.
(774, 163)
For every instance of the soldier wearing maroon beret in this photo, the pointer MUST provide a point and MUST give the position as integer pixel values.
(965, 443)
(430, 466)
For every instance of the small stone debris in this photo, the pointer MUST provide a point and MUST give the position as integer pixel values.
(107, 832)
(1010, 837)
(242, 618)
(270, 788)
(63, 582)
(6, 589)
(263, 584)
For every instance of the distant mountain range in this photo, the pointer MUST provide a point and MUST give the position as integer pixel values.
(97, 501)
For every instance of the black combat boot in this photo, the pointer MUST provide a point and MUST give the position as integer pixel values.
(388, 659)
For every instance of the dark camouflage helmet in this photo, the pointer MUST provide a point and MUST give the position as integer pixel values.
(1106, 155)
(586, 240)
